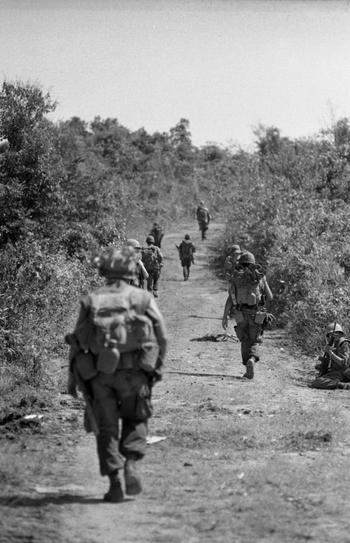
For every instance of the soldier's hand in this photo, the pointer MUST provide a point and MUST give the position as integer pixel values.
(155, 377)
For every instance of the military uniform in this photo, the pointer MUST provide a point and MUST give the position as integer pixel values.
(157, 233)
(154, 270)
(121, 394)
(203, 218)
(334, 371)
(247, 293)
(186, 250)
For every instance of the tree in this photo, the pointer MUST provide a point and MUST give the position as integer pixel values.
(29, 170)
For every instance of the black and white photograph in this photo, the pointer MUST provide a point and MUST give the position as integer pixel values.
(174, 271)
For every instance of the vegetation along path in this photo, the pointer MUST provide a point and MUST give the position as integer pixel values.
(242, 461)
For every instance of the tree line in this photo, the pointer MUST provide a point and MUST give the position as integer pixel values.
(70, 187)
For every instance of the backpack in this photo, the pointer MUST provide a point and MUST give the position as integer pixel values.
(186, 250)
(247, 283)
(150, 259)
(157, 232)
(202, 214)
(116, 325)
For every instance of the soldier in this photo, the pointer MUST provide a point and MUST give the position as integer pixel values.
(231, 261)
(157, 233)
(152, 259)
(115, 369)
(334, 366)
(203, 218)
(141, 272)
(186, 250)
(248, 292)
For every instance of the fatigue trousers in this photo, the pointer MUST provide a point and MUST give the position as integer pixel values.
(186, 265)
(152, 281)
(331, 380)
(203, 227)
(122, 406)
(248, 333)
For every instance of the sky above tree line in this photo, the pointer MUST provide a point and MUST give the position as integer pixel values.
(225, 65)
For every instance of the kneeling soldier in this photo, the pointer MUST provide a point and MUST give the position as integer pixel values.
(334, 367)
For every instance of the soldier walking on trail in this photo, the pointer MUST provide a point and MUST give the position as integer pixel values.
(186, 251)
(334, 366)
(157, 233)
(152, 259)
(117, 353)
(141, 272)
(203, 218)
(247, 294)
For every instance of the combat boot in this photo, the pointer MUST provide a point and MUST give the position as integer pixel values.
(132, 479)
(344, 386)
(115, 492)
(249, 374)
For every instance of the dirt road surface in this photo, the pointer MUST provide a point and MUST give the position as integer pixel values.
(241, 461)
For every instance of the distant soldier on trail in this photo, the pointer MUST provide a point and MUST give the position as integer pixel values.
(141, 272)
(152, 259)
(334, 366)
(157, 233)
(186, 251)
(117, 352)
(231, 261)
(247, 295)
(203, 218)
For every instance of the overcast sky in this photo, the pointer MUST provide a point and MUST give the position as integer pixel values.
(226, 65)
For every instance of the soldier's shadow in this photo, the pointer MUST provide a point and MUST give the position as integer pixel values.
(61, 499)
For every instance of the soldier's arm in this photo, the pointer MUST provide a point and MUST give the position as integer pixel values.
(342, 359)
(267, 291)
(159, 256)
(159, 330)
(144, 272)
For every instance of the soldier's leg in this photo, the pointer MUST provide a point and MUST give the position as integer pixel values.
(105, 405)
(107, 418)
(156, 275)
(328, 381)
(150, 282)
(135, 410)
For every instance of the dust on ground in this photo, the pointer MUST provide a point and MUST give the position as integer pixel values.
(242, 461)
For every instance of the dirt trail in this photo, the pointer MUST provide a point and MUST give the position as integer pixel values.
(243, 461)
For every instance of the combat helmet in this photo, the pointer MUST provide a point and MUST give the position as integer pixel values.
(235, 249)
(150, 239)
(334, 327)
(187, 236)
(117, 263)
(247, 258)
(133, 243)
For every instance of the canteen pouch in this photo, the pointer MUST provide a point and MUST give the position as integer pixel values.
(108, 360)
(84, 363)
(143, 408)
(260, 317)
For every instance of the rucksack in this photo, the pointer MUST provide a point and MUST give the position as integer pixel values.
(202, 214)
(247, 283)
(150, 259)
(186, 250)
(116, 325)
(157, 233)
